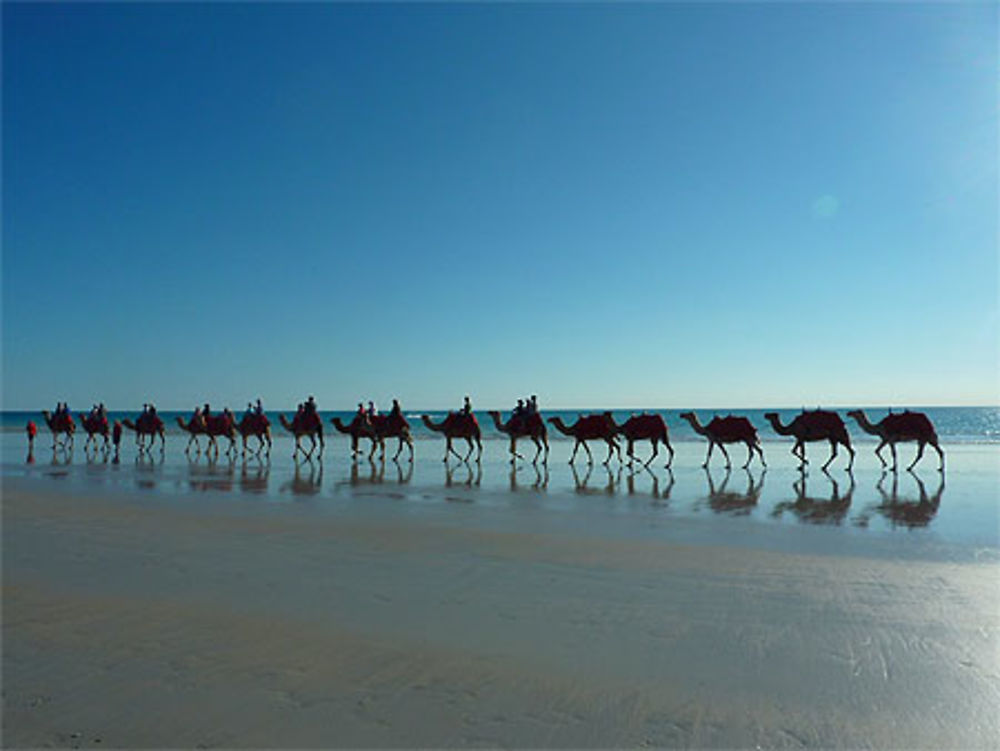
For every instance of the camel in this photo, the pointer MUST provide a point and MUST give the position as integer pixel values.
(60, 423)
(524, 426)
(305, 424)
(194, 428)
(255, 424)
(95, 425)
(644, 427)
(358, 428)
(723, 430)
(213, 426)
(147, 424)
(377, 429)
(590, 428)
(457, 425)
(901, 428)
(817, 425)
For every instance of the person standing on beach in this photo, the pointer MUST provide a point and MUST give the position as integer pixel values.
(116, 437)
(32, 431)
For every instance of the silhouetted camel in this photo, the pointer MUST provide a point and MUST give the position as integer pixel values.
(147, 424)
(60, 423)
(457, 425)
(590, 428)
(95, 425)
(817, 425)
(254, 424)
(524, 426)
(816, 510)
(305, 424)
(358, 428)
(644, 427)
(723, 430)
(194, 427)
(901, 427)
(377, 428)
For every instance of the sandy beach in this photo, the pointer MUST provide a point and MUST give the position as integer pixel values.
(139, 621)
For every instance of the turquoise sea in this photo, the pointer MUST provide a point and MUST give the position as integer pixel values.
(953, 515)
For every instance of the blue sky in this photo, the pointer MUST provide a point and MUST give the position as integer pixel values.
(664, 205)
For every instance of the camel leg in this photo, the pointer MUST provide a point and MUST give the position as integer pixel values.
(708, 456)
(749, 456)
(850, 462)
(571, 458)
(833, 454)
(656, 450)
(545, 442)
(590, 456)
(538, 449)
(611, 445)
(920, 453)
(895, 457)
(629, 451)
(878, 451)
(940, 455)
(722, 448)
(513, 450)
(479, 452)
(471, 447)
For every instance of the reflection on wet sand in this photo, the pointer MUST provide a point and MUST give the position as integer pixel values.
(659, 499)
(376, 473)
(905, 511)
(254, 474)
(474, 477)
(541, 477)
(815, 509)
(581, 486)
(212, 475)
(724, 501)
(303, 482)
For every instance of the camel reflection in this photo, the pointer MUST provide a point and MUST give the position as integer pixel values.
(724, 501)
(659, 499)
(473, 478)
(582, 488)
(213, 475)
(303, 483)
(816, 510)
(902, 511)
(253, 479)
(541, 474)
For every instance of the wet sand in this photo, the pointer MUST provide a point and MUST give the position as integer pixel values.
(130, 623)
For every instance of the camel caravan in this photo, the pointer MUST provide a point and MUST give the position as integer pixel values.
(525, 422)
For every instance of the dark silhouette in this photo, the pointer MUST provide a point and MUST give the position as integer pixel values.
(458, 425)
(590, 428)
(901, 427)
(723, 430)
(817, 425)
(147, 424)
(60, 423)
(644, 427)
(95, 424)
(305, 423)
(377, 428)
(256, 424)
(907, 512)
(524, 425)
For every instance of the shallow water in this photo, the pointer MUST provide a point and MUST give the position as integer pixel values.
(922, 513)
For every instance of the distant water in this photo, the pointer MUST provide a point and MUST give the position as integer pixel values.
(954, 424)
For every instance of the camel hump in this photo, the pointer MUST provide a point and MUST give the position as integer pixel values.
(909, 423)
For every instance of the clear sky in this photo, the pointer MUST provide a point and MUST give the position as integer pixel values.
(643, 205)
